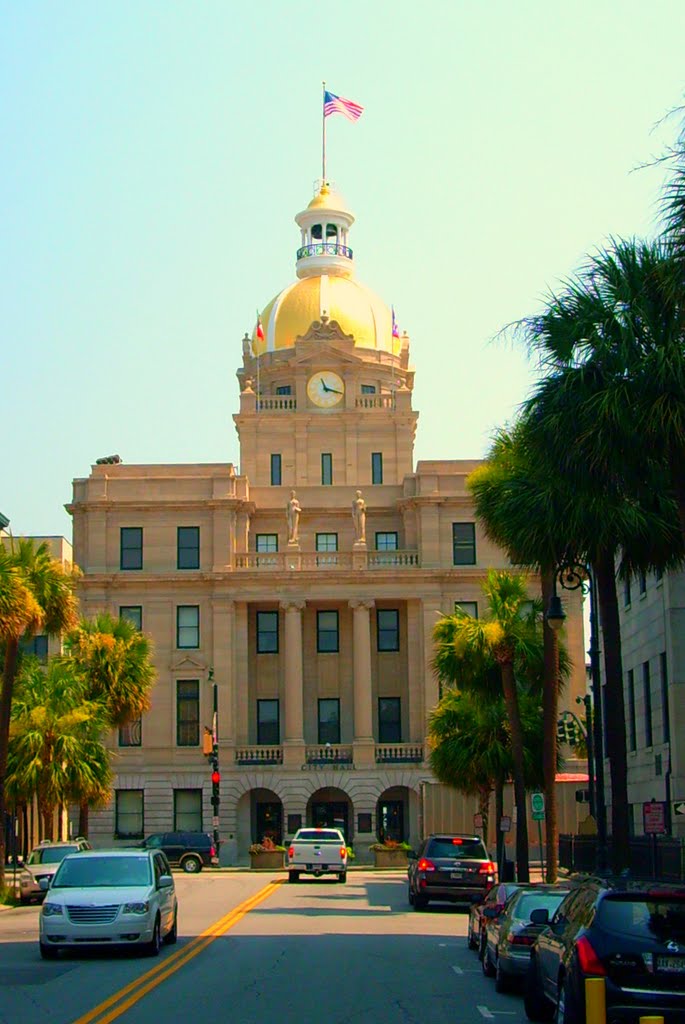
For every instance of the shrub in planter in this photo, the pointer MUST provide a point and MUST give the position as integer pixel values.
(267, 855)
(390, 854)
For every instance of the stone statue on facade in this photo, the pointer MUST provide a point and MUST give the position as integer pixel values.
(293, 509)
(359, 518)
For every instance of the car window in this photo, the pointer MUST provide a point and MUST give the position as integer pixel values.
(159, 870)
(154, 841)
(456, 849)
(166, 870)
(564, 911)
(173, 839)
(649, 918)
(51, 854)
(102, 872)
(318, 835)
(530, 901)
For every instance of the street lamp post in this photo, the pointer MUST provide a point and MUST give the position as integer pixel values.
(574, 576)
(214, 758)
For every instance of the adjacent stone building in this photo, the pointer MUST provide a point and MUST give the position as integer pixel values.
(308, 579)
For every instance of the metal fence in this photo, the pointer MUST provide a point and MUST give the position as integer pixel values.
(659, 857)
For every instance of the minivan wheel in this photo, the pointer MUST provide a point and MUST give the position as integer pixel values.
(191, 865)
(153, 947)
(172, 935)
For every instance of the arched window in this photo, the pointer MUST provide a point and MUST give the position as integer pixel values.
(331, 232)
(317, 233)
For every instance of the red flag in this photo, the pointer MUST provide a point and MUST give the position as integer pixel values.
(260, 329)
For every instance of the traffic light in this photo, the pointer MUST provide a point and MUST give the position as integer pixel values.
(567, 732)
(216, 782)
(562, 731)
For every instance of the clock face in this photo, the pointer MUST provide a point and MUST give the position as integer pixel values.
(325, 389)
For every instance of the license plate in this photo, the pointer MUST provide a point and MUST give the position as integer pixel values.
(671, 964)
(457, 874)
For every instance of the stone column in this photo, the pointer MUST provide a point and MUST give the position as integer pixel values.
(293, 743)
(364, 745)
(242, 691)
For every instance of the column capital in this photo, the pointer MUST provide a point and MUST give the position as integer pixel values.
(359, 602)
(293, 605)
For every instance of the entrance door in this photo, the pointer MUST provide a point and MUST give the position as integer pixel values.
(330, 815)
(390, 818)
(269, 822)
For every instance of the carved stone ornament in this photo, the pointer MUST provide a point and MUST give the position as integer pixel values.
(326, 330)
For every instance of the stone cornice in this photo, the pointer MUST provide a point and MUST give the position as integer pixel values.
(292, 604)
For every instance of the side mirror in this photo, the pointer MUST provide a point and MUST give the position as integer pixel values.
(44, 883)
(540, 916)
(165, 882)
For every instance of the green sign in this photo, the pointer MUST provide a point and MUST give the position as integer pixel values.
(537, 806)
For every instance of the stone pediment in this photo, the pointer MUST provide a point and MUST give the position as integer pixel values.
(187, 663)
(326, 330)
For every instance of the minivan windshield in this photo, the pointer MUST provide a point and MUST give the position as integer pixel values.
(102, 872)
(50, 854)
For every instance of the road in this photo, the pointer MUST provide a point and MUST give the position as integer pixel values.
(254, 950)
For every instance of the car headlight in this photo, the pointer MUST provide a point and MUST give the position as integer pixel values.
(137, 908)
(52, 909)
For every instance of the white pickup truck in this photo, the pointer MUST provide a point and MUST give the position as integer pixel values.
(317, 851)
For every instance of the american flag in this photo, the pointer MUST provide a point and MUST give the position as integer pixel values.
(395, 328)
(333, 104)
(260, 329)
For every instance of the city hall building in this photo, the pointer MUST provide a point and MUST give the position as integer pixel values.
(308, 580)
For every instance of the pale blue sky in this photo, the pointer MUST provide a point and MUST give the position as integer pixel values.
(156, 151)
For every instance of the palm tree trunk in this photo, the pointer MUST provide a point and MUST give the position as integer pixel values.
(484, 810)
(614, 709)
(499, 811)
(83, 819)
(517, 747)
(550, 713)
(8, 679)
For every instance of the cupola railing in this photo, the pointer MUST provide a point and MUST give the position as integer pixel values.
(324, 249)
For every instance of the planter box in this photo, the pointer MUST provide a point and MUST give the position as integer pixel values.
(269, 859)
(390, 858)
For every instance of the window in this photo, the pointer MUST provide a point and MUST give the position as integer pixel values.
(37, 646)
(665, 716)
(467, 607)
(327, 639)
(368, 389)
(187, 626)
(376, 467)
(187, 712)
(626, 592)
(389, 720)
(386, 541)
(268, 722)
(266, 543)
(188, 547)
(131, 547)
(267, 632)
(329, 720)
(326, 468)
(187, 810)
(388, 628)
(284, 389)
(326, 542)
(128, 813)
(643, 583)
(464, 543)
(275, 470)
(632, 722)
(131, 734)
(647, 693)
(133, 613)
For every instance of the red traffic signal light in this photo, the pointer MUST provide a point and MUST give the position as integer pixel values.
(216, 778)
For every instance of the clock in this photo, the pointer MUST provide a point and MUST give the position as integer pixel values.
(325, 388)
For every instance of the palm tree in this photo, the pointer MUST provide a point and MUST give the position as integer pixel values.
(464, 647)
(55, 751)
(115, 659)
(524, 510)
(37, 593)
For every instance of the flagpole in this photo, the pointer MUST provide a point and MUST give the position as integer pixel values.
(323, 133)
(259, 395)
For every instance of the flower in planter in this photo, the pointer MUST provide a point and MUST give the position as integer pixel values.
(267, 845)
(390, 844)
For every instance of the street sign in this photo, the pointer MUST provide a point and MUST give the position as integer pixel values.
(679, 808)
(478, 821)
(505, 823)
(537, 806)
(654, 818)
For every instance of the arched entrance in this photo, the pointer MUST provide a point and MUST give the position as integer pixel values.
(331, 808)
(260, 814)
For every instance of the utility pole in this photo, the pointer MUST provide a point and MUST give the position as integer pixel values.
(214, 760)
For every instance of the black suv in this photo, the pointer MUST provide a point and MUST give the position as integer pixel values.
(189, 850)
(629, 932)
(449, 867)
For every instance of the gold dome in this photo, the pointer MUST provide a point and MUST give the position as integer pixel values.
(326, 199)
(357, 309)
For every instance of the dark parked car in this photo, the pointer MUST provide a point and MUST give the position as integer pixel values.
(510, 934)
(449, 867)
(189, 850)
(629, 932)
(495, 900)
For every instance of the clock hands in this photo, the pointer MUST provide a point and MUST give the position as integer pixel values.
(333, 391)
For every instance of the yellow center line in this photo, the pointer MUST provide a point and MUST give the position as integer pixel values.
(136, 989)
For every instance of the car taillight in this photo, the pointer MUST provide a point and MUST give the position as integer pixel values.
(587, 958)
(343, 851)
(426, 865)
(212, 851)
(487, 869)
(521, 940)
(291, 851)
